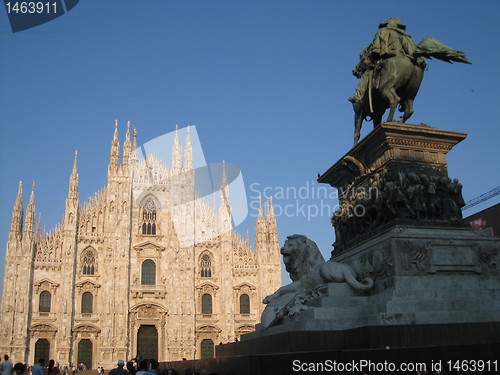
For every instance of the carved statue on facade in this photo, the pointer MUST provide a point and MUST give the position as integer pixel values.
(390, 71)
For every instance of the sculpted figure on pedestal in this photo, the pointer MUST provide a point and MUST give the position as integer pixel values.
(387, 196)
(309, 272)
(302, 260)
(390, 71)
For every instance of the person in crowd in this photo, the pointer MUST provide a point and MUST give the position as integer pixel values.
(38, 369)
(19, 369)
(155, 366)
(6, 366)
(143, 367)
(131, 368)
(53, 368)
(119, 370)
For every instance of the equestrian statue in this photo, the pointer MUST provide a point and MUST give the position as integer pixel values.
(390, 71)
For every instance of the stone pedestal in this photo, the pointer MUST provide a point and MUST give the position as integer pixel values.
(427, 277)
(398, 172)
(399, 223)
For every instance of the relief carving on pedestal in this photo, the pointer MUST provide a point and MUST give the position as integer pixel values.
(414, 255)
(389, 195)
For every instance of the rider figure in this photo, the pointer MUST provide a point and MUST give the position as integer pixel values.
(390, 40)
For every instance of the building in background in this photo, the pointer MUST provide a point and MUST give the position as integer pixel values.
(144, 267)
(486, 221)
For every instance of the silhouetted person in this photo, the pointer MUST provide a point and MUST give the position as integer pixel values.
(143, 367)
(119, 370)
(19, 369)
(155, 366)
(131, 368)
(53, 369)
(37, 369)
(6, 366)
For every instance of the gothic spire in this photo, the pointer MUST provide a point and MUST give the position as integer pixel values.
(270, 210)
(115, 150)
(225, 212)
(135, 139)
(17, 213)
(126, 146)
(176, 153)
(72, 200)
(73, 180)
(260, 227)
(224, 188)
(247, 238)
(134, 157)
(29, 224)
(271, 222)
(261, 212)
(188, 152)
(38, 227)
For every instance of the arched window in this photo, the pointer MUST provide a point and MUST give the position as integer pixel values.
(88, 262)
(244, 304)
(149, 217)
(207, 349)
(44, 305)
(206, 304)
(87, 303)
(205, 266)
(148, 272)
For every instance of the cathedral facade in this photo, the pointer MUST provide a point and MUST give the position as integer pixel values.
(145, 267)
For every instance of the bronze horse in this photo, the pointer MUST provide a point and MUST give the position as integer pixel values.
(397, 83)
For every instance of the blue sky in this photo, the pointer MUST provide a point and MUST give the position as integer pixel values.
(265, 82)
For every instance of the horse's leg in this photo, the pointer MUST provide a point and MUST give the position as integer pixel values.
(393, 98)
(357, 134)
(407, 109)
(377, 118)
(358, 121)
(357, 129)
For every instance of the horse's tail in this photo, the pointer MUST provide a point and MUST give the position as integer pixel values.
(431, 47)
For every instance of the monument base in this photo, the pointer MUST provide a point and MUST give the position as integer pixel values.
(436, 298)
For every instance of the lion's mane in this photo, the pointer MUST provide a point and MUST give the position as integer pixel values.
(301, 256)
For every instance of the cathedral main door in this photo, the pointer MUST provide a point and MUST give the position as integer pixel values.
(42, 350)
(147, 342)
(85, 353)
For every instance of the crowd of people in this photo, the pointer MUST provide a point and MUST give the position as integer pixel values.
(40, 368)
(134, 367)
